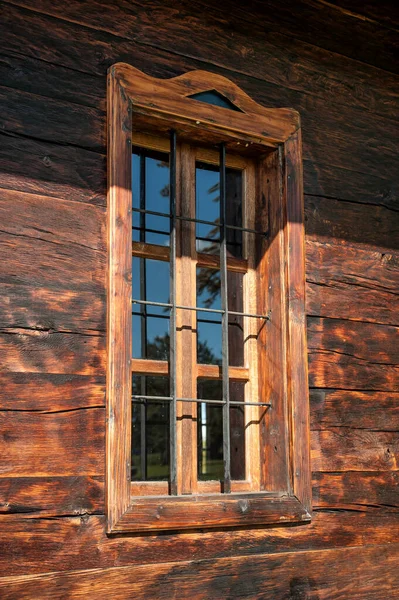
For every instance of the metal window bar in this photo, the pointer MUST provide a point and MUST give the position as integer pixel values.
(191, 219)
(143, 324)
(140, 397)
(225, 321)
(200, 309)
(172, 335)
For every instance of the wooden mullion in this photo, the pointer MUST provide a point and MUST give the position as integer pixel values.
(186, 323)
(252, 327)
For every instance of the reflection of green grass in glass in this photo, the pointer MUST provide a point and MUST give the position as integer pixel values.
(213, 470)
(155, 470)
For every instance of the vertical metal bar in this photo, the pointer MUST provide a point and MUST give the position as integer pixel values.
(172, 336)
(225, 323)
(143, 324)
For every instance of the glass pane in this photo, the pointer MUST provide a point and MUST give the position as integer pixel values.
(235, 283)
(150, 430)
(213, 97)
(150, 324)
(210, 432)
(150, 191)
(208, 209)
(209, 325)
(209, 328)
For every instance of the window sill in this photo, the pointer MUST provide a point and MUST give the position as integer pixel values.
(160, 513)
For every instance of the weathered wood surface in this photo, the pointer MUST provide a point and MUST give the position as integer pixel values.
(93, 51)
(52, 295)
(50, 392)
(65, 172)
(353, 355)
(58, 541)
(51, 496)
(317, 70)
(46, 443)
(367, 573)
(380, 12)
(356, 490)
(378, 411)
(339, 221)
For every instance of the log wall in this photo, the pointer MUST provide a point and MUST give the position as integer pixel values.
(332, 61)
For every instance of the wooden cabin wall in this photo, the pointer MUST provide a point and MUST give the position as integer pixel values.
(334, 62)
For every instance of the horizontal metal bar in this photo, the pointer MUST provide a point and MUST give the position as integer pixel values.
(201, 309)
(200, 221)
(198, 400)
(144, 315)
(147, 230)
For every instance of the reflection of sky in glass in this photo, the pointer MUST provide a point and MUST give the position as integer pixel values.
(156, 197)
(156, 290)
(207, 205)
(209, 333)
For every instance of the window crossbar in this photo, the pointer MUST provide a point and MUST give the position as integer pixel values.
(200, 221)
(200, 309)
(138, 398)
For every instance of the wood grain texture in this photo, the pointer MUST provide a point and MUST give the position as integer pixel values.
(98, 48)
(353, 355)
(50, 392)
(328, 219)
(324, 73)
(53, 144)
(119, 302)
(47, 444)
(378, 411)
(50, 496)
(42, 309)
(369, 572)
(58, 541)
(356, 490)
(73, 174)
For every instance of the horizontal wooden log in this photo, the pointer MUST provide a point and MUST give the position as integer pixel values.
(61, 266)
(351, 264)
(363, 573)
(37, 351)
(336, 299)
(51, 496)
(50, 392)
(348, 133)
(65, 172)
(378, 411)
(342, 449)
(52, 120)
(60, 496)
(52, 444)
(325, 27)
(64, 544)
(381, 12)
(353, 355)
(30, 75)
(254, 54)
(75, 173)
(335, 220)
(52, 220)
(356, 490)
(25, 307)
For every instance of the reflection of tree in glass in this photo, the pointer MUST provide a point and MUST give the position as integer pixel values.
(165, 190)
(208, 280)
(159, 350)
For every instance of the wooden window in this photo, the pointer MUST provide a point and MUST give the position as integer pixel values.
(207, 400)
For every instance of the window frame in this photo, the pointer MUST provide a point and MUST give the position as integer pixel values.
(146, 102)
